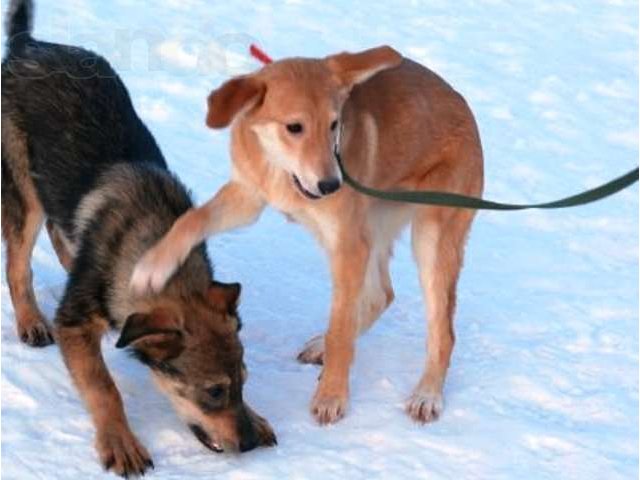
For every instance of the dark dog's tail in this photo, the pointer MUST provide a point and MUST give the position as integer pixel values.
(19, 23)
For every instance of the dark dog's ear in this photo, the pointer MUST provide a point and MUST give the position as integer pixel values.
(224, 295)
(354, 68)
(233, 97)
(158, 335)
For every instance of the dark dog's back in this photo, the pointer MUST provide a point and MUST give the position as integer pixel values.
(70, 130)
(79, 117)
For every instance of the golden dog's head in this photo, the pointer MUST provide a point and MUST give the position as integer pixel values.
(293, 106)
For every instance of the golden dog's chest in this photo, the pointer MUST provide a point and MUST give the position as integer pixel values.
(321, 225)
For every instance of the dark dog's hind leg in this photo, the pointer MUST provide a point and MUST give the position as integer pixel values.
(59, 244)
(22, 217)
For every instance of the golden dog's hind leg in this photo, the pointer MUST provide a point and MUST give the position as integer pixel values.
(377, 295)
(348, 266)
(438, 241)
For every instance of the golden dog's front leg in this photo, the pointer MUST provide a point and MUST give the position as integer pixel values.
(234, 205)
(348, 265)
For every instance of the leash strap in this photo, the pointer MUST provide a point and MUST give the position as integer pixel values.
(446, 199)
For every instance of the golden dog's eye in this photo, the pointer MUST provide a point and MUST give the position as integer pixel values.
(334, 124)
(294, 128)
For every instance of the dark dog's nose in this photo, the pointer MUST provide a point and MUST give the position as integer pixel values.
(246, 431)
(328, 185)
(249, 444)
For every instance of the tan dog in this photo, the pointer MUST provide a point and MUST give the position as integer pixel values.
(402, 127)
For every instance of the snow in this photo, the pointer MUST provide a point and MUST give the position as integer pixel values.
(544, 378)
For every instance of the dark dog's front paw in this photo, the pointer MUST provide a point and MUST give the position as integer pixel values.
(120, 452)
(33, 330)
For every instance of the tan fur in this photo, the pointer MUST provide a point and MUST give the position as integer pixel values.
(20, 238)
(117, 446)
(403, 127)
(61, 245)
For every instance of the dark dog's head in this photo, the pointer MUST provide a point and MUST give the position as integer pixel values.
(194, 352)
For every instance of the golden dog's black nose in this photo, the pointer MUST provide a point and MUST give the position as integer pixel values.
(328, 185)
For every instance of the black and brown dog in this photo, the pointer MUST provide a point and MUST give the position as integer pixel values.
(74, 152)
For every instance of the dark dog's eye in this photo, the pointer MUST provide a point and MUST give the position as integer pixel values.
(334, 124)
(216, 392)
(294, 128)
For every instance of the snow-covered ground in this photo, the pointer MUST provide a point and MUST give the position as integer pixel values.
(544, 379)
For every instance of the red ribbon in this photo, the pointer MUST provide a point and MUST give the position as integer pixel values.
(258, 54)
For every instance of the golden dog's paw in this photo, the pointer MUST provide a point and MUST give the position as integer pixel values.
(120, 452)
(153, 270)
(34, 331)
(313, 351)
(425, 407)
(329, 408)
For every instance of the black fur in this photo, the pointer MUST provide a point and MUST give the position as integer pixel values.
(79, 120)
(19, 23)
(84, 137)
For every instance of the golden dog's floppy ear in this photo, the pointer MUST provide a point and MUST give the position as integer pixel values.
(155, 336)
(233, 97)
(354, 68)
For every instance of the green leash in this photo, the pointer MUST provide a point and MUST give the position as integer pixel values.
(446, 199)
